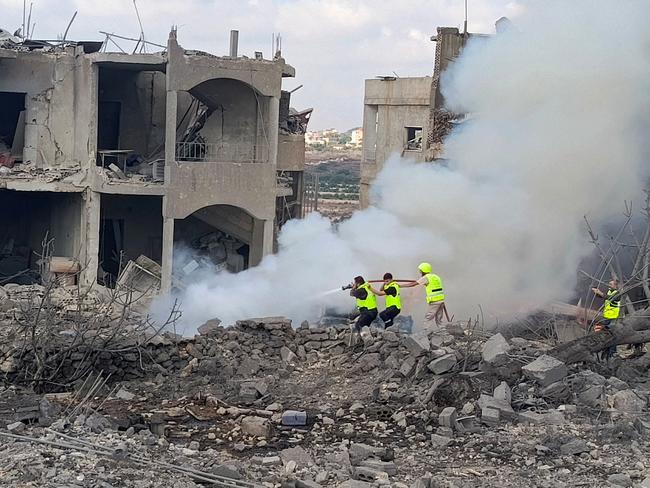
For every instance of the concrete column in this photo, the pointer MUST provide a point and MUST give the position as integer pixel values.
(170, 132)
(89, 252)
(167, 254)
(272, 128)
(262, 241)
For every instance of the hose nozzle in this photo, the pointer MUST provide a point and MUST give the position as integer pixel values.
(347, 287)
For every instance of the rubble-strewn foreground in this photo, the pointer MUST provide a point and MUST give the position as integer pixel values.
(261, 403)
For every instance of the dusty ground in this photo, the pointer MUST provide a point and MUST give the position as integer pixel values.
(366, 413)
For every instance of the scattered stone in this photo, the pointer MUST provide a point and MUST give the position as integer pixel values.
(574, 447)
(363, 473)
(440, 440)
(416, 345)
(487, 401)
(256, 426)
(545, 370)
(490, 416)
(547, 418)
(298, 455)
(407, 367)
(16, 427)
(495, 350)
(447, 417)
(628, 401)
(355, 484)
(443, 364)
(503, 393)
(287, 355)
(123, 394)
(378, 465)
(619, 479)
(209, 327)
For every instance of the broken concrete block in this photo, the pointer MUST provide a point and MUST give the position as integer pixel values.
(440, 440)
(505, 409)
(545, 370)
(294, 417)
(209, 327)
(619, 479)
(628, 401)
(407, 367)
(16, 427)
(503, 393)
(574, 447)
(385, 466)
(495, 350)
(443, 364)
(424, 482)
(298, 455)
(447, 417)
(355, 484)
(123, 394)
(369, 475)
(360, 452)
(256, 426)
(490, 416)
(307, 484)
(226, 471)
(287, 355)
(417, 345)
(547, 418)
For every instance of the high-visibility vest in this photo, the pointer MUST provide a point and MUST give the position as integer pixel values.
(393, 300)
(434, 288)
(612, 306)
(370, 302)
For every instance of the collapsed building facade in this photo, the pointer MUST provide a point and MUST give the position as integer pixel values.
(109, 156)
(407, 116)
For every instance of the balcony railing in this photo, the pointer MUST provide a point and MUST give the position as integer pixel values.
(221, 152)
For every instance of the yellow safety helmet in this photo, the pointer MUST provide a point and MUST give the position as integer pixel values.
(425, 267)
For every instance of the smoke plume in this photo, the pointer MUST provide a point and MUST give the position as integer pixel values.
(559, 107)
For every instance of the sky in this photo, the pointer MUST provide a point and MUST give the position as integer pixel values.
(333, 44)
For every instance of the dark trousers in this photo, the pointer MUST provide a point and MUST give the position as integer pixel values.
(389, 315)
(610, 351)
(365, 318)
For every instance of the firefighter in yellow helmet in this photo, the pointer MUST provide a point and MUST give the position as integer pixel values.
(435, 295)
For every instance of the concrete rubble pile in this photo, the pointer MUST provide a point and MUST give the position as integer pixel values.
(261, 403)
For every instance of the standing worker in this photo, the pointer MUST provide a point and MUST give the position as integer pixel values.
(390, 289)
(434, 293)
(611, 310)
(366, 302)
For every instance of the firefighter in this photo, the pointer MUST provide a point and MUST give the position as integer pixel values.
(611, 310)
(435, 295)
(366, 302)
(391, 290)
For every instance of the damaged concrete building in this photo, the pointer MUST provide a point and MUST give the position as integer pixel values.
(407, 116)
(111, 156)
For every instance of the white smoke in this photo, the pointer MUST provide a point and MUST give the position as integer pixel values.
(559, 111)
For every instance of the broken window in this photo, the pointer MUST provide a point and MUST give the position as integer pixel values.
(12, 127)
(30, 220)
(413, 139)
(131, 225)
(131, 112)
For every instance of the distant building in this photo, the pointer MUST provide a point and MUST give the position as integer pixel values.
(356, 136)
(406, 116)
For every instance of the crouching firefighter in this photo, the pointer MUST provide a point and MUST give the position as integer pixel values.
(366, 302)
(391, 290)
(611, 311)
